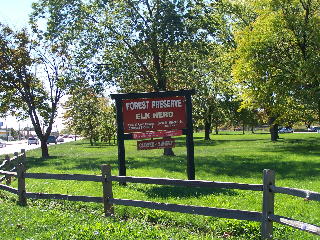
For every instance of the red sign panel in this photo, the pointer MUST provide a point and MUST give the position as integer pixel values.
(156, 144)
(159, 134)
(150, 114)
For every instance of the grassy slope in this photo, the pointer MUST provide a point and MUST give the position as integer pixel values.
(236, 158)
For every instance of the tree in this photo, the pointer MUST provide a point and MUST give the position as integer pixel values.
(23, 93)
(107, 128)
(278, 58)
(89, 113)
(145, 43)
(82, 113)
(215, 97)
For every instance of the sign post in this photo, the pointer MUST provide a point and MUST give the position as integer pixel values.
(154, 115)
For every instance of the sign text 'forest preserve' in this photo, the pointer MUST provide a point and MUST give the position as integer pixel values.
(151, 114)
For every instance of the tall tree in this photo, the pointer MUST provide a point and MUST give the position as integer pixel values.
(278, 58)
(82, 112)
(146, 44)
(23, 93)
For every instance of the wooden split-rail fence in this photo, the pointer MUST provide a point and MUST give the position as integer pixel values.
(267, 217)
(9, 164)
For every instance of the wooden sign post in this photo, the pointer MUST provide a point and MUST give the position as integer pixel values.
(151, 115)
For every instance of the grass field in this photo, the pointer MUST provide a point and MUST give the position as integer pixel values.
(228, 157)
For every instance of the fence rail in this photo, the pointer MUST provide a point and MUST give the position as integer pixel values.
(9, 165)
(309, 195)
(77, 177)
(8, 189)
(64, 197)
(295, 224)
(266, 217)
(188, 183)
(198, 210)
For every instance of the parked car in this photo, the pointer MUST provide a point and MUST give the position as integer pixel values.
(60, 139)
(33, 140)
(286, 130)
(313, 129)
(52, 139)
(2, 144)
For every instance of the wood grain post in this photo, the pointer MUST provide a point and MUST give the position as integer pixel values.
(107, 190)
(191, 172)
(23, 159)
(8, 178)
(268, 204)
(21, 185)
(16, 161)
(120, 139)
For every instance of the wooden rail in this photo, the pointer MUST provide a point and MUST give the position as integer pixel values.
(266, 217)
(77, 177)
(64, 197)
(9, 165)
(308, 195)
(188, 183)
(295, 224)
(205, 211)
(8, 189)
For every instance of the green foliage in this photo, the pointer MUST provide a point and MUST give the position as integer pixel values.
(277, 64)
(151, 45)
(90, 115)
(22, 92)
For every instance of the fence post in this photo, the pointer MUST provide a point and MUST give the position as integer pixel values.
(21, 185)
(23, 159)
(268, 204)
(16, 161)
(7, 167)
(107, 189)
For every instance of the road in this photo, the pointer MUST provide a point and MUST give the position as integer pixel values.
(16, 146)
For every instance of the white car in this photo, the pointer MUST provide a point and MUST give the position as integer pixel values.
(2, 144)
(33, 140)
(286, 130)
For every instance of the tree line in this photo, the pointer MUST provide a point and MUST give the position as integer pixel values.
(249, 61)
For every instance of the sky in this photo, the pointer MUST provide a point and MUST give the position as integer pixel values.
(15, 13)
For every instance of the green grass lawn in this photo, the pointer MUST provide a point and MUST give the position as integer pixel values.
(228, 157)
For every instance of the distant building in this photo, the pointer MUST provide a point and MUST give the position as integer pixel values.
(4, 133)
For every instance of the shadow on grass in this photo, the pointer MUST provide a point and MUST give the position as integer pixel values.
(39, 162)
(233, 166)
(183, 192)
(181, 142)
(96, 145)
(233, 163)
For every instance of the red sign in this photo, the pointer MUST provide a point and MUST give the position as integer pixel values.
(156, 144)
(159, 134)
(150, 114)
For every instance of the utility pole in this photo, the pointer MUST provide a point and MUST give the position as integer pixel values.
(7, 130)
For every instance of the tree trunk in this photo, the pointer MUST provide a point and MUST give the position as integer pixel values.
(318, 112)
(207, 128)
(216, 129)
(273, 129)
(168, 152)
(243, 126)
(161, 82)
(252, 129)
(44, 149)
(274, 132)
(276, 129)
